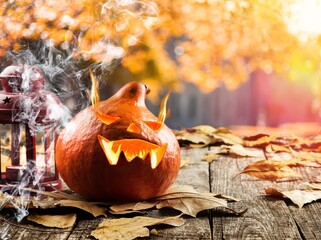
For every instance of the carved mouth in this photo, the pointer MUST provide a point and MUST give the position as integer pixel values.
(132, 148)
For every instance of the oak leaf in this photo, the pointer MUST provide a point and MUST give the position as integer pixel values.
(298, 197)
(57, 221)
(131, 228)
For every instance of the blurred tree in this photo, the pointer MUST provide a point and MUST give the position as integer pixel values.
(205, 42)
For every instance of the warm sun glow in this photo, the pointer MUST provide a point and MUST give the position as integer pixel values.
(94, 95)
(304, 18)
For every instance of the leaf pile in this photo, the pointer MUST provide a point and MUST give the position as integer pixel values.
(204, 135)
(297, 153)
(303, 152)
(184, 199)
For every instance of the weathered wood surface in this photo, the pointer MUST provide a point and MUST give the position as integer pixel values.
(266, 218)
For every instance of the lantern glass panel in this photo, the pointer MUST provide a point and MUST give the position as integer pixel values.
(5, 144)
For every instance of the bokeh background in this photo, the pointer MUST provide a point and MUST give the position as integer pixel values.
(226, 62)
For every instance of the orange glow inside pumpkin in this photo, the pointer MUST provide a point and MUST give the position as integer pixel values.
(133, 128)
(106, 119)
(132, 148)
(94, 95)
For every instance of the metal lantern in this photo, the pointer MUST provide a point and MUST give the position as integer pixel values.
(29, 119)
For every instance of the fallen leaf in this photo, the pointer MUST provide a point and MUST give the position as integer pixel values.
(260, 140)
(239, 150)
(57, 221)
(196, 138)
(308, 156)
(316, 179)
(301, 163)
(276, 148)
(226, 136)
(314, 185)
(210, 157)
(271, 170)
(131, 228)
(184, 163)
(192, 205)
(298, 197)
(204, 135)
(89, 207)
(132, 207)
(182, 198)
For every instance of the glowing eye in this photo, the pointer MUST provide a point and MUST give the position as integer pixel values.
(106, 119)
(154, 125)
(133, 128)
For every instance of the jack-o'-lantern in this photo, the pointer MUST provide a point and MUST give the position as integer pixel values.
(117, 149)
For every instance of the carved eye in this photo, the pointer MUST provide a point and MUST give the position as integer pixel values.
(133, 128)
(154, 125)
(106, 119)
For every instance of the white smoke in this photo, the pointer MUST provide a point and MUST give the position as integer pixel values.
(66, 78)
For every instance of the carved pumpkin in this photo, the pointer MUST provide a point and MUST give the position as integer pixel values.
(118, 150)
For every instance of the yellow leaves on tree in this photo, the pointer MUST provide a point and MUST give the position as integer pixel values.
(212, 42)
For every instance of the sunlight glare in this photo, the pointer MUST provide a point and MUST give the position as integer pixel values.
(304, 18)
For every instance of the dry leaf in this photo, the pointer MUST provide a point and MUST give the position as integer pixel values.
(57, 221)
(184, 163)
(308, 156)
(271, 170)
(259, 140)
(275, 148)
(314, 185)
(182, 198)
(226, 136)
(132, 207)
(239, 150)
(195, 137)
(192, 205)
(204, 135)
(301, 163)
(298, 197)
(89, 207)
(210, 157)
(131, 228)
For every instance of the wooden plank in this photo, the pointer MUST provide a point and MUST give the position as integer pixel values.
(196, 175)
(10, 229)
(266, 218)
(308, 220)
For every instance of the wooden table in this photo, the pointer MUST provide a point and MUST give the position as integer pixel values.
(266, 218)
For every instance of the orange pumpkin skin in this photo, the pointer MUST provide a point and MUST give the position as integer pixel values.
(83, 164)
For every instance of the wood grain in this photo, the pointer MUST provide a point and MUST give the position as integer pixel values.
(265, 218)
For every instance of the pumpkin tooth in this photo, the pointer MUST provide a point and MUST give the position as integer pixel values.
(107, 146)
(156, 155)
(141, 149)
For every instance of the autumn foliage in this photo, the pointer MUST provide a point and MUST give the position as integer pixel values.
(212, 42)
